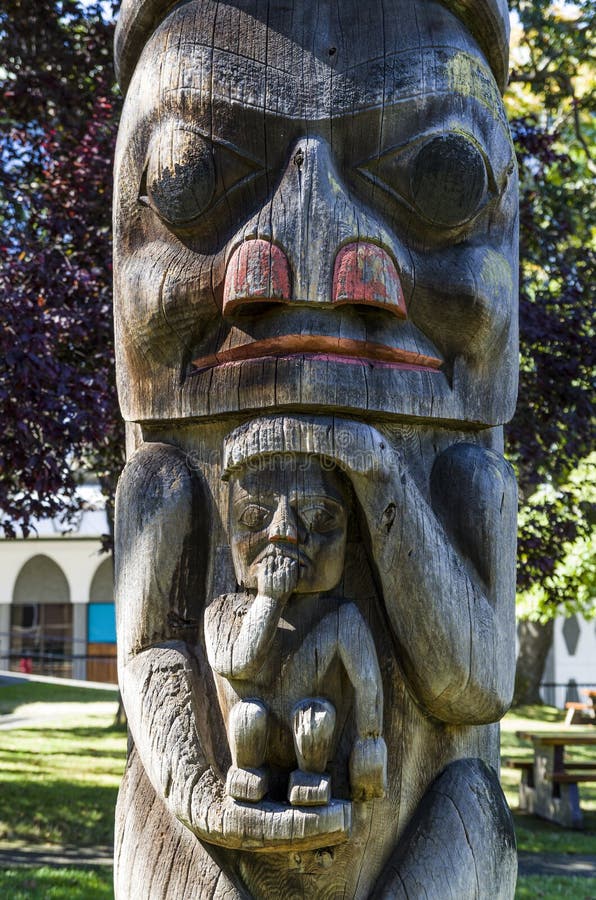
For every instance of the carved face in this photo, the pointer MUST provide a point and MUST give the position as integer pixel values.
(289, 507)
(315, 209)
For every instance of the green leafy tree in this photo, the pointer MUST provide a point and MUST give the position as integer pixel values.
(551, 102)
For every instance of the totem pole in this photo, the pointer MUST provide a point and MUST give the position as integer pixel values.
(315, 305)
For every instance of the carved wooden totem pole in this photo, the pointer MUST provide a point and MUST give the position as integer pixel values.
(315, 301)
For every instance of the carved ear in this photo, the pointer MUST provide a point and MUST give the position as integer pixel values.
(162, 545)
(473, 492)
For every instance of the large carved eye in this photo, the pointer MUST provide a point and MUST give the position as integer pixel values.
(180, 175)
(448, 180)
(186, 174)
(255, 517)
(443, 178)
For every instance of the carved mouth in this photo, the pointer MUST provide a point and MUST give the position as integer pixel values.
(347, 350)
(283, 550)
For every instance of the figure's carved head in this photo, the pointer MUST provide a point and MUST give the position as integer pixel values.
(294, 508)
(316, 208)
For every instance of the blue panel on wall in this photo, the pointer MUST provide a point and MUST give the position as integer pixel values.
(101, 624)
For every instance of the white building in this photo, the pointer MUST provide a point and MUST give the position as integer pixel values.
(571, 662)
(56, 599)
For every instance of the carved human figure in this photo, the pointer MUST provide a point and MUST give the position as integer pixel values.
(273, 652)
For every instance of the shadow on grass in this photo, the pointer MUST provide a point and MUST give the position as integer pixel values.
(535, 835)
(57, 812)
(538, 713)
(531, 887)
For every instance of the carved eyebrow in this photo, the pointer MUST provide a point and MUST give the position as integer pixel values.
(313, 499)
(260, 497)
(177, 121)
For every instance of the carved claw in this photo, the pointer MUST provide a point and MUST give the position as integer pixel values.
(247, 785)
(368, 769)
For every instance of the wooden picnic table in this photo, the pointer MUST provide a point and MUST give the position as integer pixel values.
(550, 787)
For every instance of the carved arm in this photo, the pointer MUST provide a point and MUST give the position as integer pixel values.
(240, 652)
(448, 579)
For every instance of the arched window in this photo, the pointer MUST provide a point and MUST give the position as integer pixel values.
(102, 586)
(41, 619)
(101, 625)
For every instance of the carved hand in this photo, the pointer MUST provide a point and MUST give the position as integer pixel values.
(277, 577)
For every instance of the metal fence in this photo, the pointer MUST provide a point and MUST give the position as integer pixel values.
(60, 658)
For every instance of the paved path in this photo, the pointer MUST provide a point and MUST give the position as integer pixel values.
(557, 864)
(34, 715)
(9, 677)
(13, 855)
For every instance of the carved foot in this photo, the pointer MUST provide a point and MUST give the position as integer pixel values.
(309, 788)
(313, 721)
(248, 785)
(368, 769)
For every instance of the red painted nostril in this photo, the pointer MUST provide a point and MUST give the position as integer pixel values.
(258, 270)
(365, 273)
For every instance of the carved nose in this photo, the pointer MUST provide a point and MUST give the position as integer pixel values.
(316, 220)
(283, 526)
(257, 271)
(365, 274)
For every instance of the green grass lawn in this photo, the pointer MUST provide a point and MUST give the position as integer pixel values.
(56, 884)
(535, 887)
(14, 696)
(59, 780)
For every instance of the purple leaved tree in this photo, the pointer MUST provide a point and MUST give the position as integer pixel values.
(57, 131)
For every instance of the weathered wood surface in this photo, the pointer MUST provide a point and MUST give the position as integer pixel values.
(308, 127)
(315, 270)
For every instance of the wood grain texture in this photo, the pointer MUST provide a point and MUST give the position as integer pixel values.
(315, 274)
(462, 827)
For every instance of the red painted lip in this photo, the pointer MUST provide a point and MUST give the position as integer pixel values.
(341, 349)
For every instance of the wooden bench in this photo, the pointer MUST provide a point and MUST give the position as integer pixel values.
(551, 790)
(527, 793)
(573, 773)
(571, 779)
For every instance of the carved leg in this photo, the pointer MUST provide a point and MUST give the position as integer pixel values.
(248, 726)
(459, 844)
(313, 721)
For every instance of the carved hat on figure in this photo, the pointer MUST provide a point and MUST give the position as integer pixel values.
(318, 199)
(357, 449)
